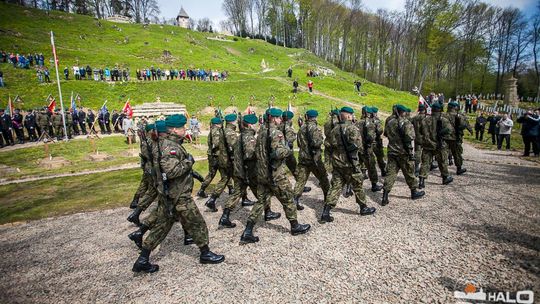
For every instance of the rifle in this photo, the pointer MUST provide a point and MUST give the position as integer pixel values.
(269, 147)
(349, 148)
(242, 152)
(165, 183)
(439, 134)
(309, 141)
(227, 148)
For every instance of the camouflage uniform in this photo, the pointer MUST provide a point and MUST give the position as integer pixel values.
(57, 124)
(69, 123)
(454, 140)
(290, 136)
(43, 122)
(223, 140)
(378, 148)
(212, 159)
(175, 164)
(330, 123)
(434, 129)
(400, 133)
(310, 140)
(368, 129)
(417, 121)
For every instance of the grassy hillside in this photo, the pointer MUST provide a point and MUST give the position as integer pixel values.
(84, 40)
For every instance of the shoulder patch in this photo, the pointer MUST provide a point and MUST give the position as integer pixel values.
(172, 152)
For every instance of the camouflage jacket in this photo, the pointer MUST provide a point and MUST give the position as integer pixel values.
(459, 123)
(279, 151)
(400, 133)
(351, 145)
(310, 140)
(368, 130)
(146, 154)
(245, 157)
(175, 165)
(417, 121)
(223, 141)
(327, 128)
(43, 119)
(212, 150)
(434, 130)
(57, 119)
(378, 130)
(288, 133)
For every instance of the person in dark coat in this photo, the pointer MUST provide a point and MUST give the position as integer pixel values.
(480, 126)
(493, 129)
(30, 124)
(107, 121)
(81, 117)
(6, 126)
(17, 122)
(75, 122)
(115, 121)
(90, 118)
(530, 130)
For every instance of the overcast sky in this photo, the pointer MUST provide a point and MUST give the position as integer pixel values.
(212, 8)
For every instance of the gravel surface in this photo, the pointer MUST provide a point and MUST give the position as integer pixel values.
(484, 227)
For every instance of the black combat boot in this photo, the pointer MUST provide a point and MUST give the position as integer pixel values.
(211, 204)
(202, 194)
(137, 235)
(460, 170)
(421, 183)
(134, 216)
(325, 216)
(365, 210)
(134, 202)
(225, 221)
(248, 237)
(270, 215)
(385, 200)
(188, 240)
(208, 257)
(297, 228)
(306, 189)
(246, 202)
(231, 189)
(376, 187)
(143, 263)
(297, 203)
(417, 194)
(447, 180)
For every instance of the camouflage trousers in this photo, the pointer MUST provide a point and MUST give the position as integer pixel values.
(59, 131)
(320, 173)
(342, 177)
(190, 217)
(292, 164)
(378, 149)
(440, 155)
(223, 181)
(239, 190)
(370, 163)
(328, 160)
(396, 163)
(212, 171)
(417, 155)
(146, 180)
(282, 190)
(148, 198)
(456, 150)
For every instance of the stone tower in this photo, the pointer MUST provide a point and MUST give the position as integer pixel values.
(510, 95)
(182, 20)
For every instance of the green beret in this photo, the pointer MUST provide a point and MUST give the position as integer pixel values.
(161, 126)
(215, 120)
(176, 121)
(436, 106)
(275, 112)
(334, 112)
(312, 113)
(288, 114)
(250, 119)
(374, 109)
(453, 104)
(149, 127)
(347, 110)
(231, 117)
(401, 108)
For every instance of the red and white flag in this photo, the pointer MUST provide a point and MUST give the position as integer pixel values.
(128, 109)
(52, 105)
(422, 101)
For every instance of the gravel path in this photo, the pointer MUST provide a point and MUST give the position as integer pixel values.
(484, 227)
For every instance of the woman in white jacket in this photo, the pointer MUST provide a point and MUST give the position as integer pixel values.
(505, 129)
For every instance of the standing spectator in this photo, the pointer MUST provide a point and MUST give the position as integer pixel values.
(138, 74)
(76, 73)
(480, 126)
(474, 104)
(127, 127)
(30, 124)
(289, 72)
(90, 118)
(17, 122)
(310, 86)
(116, 122)
(74, 121)
(82, 73)
(505, 130)
(107, 120)
(39, 74)
(493, 128)
(101, 74)
(1, 79)
(66, 73)
(441, 99)
(295, 86)
(468, 104)
(82, 120)
(357, 85)
(195, 128)
(530, 130)
(47, 74)
(6, 126)
(107, 74)
(88, 71)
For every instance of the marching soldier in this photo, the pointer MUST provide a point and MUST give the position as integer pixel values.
(459, 123)
(434, 130)
(310, 140)
(346, 142)
(400, 134)
(378, 148)
(417, 121)
(330, 123)
(215, 126)
(272, 151)
(244, 172)
(174, 164)
(368, 129)
(290, 136)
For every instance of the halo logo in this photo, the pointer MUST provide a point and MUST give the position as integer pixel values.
(472, 294)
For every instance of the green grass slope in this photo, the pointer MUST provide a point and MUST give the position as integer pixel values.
(84, 40)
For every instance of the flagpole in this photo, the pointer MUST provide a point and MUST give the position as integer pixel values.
(59, 88)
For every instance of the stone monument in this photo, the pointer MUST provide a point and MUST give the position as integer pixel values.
(510, 91)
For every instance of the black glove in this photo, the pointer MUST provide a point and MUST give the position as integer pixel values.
(197, 176)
